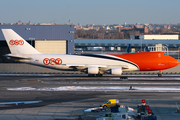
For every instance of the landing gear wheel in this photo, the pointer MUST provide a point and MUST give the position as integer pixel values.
(159, 74)
(99, 75)
(91, 75)
(123, 78)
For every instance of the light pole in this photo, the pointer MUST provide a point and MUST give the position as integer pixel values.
(141, 45)
(141, 37)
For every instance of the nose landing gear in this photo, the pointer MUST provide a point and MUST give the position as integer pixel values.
(160, 73)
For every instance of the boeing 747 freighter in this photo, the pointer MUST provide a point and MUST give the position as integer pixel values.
(92, 64)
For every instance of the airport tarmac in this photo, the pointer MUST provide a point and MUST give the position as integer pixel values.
(64, 96)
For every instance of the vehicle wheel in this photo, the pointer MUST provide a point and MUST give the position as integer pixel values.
(105, 107)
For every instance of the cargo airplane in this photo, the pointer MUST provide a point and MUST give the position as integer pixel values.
(92, 64)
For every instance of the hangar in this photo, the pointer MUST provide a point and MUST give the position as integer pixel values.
(50, 39)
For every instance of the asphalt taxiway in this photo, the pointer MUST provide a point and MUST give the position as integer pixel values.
(63, 96)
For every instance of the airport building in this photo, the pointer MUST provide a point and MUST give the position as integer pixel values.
(138, 42)
(121, 44)
(50, 39)
(155, 37)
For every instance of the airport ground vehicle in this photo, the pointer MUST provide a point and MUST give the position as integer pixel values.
(110, 103)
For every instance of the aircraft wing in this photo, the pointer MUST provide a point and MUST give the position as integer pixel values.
(100, 66)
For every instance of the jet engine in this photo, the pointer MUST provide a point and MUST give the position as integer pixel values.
(116, 71)
(92, 70)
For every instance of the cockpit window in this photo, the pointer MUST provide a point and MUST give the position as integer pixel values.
(165, 54)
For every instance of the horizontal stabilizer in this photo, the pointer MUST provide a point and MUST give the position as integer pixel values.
(16, 57)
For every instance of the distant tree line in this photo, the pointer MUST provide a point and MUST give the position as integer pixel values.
(103, 34)
(115, 34)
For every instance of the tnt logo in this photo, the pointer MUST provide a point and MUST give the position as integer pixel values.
(52, 61)
(16, 42)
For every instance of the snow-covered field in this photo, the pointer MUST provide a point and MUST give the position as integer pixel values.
(101, 88)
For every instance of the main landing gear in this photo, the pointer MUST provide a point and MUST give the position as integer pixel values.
(123, 78)
(99, 75)
(93, 75)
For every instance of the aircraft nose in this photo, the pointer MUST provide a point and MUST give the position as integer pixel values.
(173, 62)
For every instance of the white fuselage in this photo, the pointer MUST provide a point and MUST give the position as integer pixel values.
(78, 60)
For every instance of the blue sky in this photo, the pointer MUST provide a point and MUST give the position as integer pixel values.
(91, 11)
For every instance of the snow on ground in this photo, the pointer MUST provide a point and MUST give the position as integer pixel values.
(89, 88)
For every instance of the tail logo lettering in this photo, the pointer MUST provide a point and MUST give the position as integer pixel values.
(52, 61)
(16, 42)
